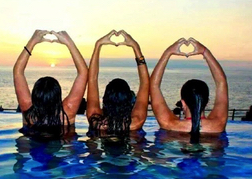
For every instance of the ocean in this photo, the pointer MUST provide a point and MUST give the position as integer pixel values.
(239, 75)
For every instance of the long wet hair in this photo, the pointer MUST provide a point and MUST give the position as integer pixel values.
(46, 115)
(118, 102)
(195, 93)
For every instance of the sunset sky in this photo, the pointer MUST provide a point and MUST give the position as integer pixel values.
(224, 26)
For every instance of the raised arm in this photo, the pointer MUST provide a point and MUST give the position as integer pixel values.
(139, 112)
(20, 83)
(163, 113)
(72, 102)
(220, 109)
(93, 102)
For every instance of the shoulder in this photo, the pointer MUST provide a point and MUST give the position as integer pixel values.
(213, 125)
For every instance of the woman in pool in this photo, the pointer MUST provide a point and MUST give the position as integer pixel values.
(121, 111)
(43, 110)
(194, 95)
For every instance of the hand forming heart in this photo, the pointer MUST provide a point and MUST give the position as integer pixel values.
(50, 37)
(117, 38)
(186, 48)
(179, 47)
(128, 40)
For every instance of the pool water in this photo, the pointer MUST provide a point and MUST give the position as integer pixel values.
(152, 153)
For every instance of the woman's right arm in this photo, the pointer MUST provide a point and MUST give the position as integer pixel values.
(20, 83)
(219, 112)
(72, 102)
(139, 111)
(163, 113)
(93, 102)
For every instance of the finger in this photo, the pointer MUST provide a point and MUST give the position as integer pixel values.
(187, 43)
(182, 54)
(121, 43)
(112, 32)
(123, 33)
(192, 40)
(46, 40)
(44, 32)
(181, 39)
(112, 43)
(55, 33)
(180, 43)
(192, 53)
(56, 40)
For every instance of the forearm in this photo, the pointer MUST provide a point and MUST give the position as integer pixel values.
(22, 60)
(157, 74)
(94, 70)
(79, 61)
(142, 68)
(215, 68)
(143, 91)
(220, 109)
(20, 83)
(93, 103)
(139, 112)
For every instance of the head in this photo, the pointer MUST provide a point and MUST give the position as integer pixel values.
(195, 95)
(46, 95)
(118, 101)
(46, 104)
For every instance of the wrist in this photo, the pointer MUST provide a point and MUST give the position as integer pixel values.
(98, 44)
(205, 52)
(29, 47)
(168, 53)
(140, 60)
(136, 47)
(70, 45)
(31, 44)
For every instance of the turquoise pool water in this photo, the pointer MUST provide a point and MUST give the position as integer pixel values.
(151, 154)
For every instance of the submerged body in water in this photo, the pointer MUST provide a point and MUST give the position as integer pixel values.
(154, 154)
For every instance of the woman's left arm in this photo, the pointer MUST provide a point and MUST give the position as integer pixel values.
(20, 82)
(139, 112)
(163, 113)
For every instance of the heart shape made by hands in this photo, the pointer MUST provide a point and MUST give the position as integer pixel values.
(50, 37)
(187, 48)
(117, 38)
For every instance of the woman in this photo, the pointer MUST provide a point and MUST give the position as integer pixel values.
(194, 95)
(43, 110)
(121, 112)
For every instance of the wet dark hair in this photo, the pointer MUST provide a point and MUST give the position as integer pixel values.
(118, 101)
(195, 93)
(46, 113)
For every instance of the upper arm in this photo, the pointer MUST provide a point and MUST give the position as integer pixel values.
(93, 102)
(220, 109)
(163, 113)
(139, 111)
(72, 102)
(22, 91)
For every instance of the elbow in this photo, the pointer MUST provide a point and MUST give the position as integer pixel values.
(138, 122)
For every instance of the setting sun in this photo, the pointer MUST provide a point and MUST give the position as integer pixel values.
(52, 65)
